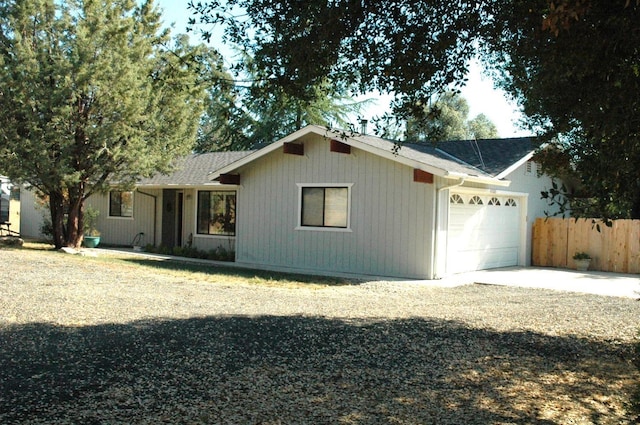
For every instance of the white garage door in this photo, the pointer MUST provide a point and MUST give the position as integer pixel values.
(483, 232)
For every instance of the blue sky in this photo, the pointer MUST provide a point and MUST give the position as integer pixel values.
(479, 92)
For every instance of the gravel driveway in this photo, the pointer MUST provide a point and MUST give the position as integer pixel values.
(95, 341)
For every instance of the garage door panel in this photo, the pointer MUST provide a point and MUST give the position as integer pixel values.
(483, 236)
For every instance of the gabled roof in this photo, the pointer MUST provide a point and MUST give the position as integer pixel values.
(496, 157)
(484, 161)
(426, 157)
(194, 170)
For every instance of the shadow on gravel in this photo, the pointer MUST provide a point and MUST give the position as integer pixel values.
(271, 370)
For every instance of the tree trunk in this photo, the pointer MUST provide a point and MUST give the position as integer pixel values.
(75, 220)
(67, 231)
(74, 224)
(56, 207)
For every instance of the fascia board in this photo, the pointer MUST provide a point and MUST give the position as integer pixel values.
(475, 179)
(264, 151)
(515, 165)
(387, 154)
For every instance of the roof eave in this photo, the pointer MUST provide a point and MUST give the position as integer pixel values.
(494, 181)
(261, 152)
(179, 185)
(362, 146)
(515, 165)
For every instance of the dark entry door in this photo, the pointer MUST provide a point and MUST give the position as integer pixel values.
(179, 217)
(169, 216)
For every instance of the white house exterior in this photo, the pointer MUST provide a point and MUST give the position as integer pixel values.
(321, 201)
(418, 213)
(9, 206)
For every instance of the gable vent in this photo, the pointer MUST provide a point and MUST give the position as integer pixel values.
(420, 176)
(340, 147)
(293, 148)
(229, 179)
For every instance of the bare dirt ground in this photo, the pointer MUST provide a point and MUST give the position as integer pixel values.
(119, 341)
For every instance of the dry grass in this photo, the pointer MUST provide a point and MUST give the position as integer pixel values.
(95, 340)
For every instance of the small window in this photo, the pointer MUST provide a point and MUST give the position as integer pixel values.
(4, 210)
(216, 213)
(510, 203)
(325, 207)
(120, 204)
(456, 199)
(475, 200)
(494, 201)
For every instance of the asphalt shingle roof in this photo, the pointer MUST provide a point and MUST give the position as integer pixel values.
(492, 156)
(426, 153)
(194, 169)
(481, 158)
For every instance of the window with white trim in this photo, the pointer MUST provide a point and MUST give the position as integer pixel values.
(324, 206)
(510, 203)
(120, 204)
(494, 201)
(216, 212)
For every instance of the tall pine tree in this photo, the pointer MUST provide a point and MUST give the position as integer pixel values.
(91, 93)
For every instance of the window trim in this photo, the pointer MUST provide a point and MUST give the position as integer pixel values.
(121, 217)
(299, 226)
(197, 210)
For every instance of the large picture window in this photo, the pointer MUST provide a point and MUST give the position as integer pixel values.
(120, 204)
(216, 212)
(325, 207)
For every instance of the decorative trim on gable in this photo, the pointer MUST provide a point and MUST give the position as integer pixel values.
(230, 179)
(339, 147)
(293, 148)
(420, 176)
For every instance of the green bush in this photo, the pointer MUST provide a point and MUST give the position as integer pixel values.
(218, 254)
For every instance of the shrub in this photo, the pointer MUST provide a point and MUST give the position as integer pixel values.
(581, 256)
(218, 254)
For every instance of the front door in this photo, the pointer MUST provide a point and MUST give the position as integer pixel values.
(169, 217)
(179, 218)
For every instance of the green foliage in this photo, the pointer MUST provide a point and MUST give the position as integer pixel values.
(481, 127)
(239, 118)
(90, 220)
(448, 119)
(571, 64)
(92, 92)
(581, 256)
(406, 47)
(578, 83)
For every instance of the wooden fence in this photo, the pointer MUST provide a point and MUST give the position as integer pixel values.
(612, 249)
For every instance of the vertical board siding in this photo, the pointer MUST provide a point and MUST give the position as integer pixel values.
(387, 209)
(613, 249)
(122, 231)
(32, 214)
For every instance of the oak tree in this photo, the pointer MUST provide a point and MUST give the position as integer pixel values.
(573, 65)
